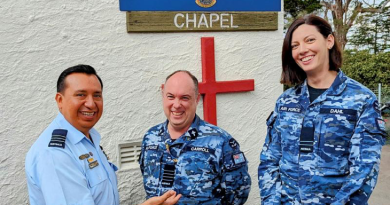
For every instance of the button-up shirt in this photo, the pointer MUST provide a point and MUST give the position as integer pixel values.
(78, 174)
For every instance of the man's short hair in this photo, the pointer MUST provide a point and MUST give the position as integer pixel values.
(194, 79)
(87, 69)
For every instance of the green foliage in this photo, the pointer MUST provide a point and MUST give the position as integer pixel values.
(372, 20)
(367, 68)
(370, 69)
(372, 31)
(294, 8)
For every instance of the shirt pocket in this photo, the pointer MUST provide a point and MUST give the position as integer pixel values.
(97, 180)
(336, 129)
(289, 125)
(152, 168)
(197, 174)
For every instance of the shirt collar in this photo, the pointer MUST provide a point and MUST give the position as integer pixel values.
(74, 135)
(338, 85)
(190, 134)
(336, 88)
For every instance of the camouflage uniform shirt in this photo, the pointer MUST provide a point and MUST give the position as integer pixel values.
(324, 152)
(205, 165)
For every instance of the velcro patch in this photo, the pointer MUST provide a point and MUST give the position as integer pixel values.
(193, 133)
(58, 138)
(168, 175)
(239, 158)
(233, 143)
(151, 147)
(161, 132)
(199, 149)
(290, 109)
(381, 124)
(338, 111)
(306, 139)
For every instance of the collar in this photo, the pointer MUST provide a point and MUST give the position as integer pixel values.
(336, 88)
(74, 135)
(338, 84)
(191, 134)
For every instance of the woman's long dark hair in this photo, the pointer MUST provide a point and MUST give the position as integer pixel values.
(292, 74)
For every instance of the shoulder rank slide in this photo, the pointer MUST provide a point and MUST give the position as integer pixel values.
(58, 138)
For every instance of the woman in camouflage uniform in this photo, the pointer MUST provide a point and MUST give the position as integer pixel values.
(325, 135)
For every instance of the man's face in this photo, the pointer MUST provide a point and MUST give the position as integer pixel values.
(180, 101)
(81, 102)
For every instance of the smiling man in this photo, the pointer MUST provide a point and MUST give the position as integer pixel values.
(200, 161)
(66, 165)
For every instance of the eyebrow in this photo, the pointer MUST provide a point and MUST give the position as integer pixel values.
(185, 95)
(84, 91)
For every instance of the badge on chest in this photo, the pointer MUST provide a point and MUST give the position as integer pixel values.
(306, 139)
(168, 175)
(92, 163)
(294, 109)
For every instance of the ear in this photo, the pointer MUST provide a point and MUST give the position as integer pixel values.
(162, 89)
(330, 41)
(59, 98)
(198, 98)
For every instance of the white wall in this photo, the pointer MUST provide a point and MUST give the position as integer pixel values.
(40, 38)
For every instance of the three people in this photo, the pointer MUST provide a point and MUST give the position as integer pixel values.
(323, 142)
(199, 160)
(66, 165)
(325, 134)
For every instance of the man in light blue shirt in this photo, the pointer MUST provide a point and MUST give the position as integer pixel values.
(66, 164)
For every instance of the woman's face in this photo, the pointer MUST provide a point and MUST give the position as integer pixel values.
(310, 49)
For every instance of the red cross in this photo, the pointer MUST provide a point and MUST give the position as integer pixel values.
(209, 87)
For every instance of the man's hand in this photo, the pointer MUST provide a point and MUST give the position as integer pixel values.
(169, 198)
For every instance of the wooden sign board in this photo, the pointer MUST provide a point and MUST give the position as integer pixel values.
(199, 21)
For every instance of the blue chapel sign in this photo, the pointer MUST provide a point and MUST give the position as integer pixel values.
(200, 5)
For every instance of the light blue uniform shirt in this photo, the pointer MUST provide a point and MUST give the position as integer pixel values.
(56, 176)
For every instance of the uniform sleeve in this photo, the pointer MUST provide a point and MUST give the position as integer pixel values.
(268, 171)
(141, 158)
(60, 179)
(236, 181)
(365, 151)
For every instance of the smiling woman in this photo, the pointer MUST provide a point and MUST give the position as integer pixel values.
(307, 39)
(325, 134)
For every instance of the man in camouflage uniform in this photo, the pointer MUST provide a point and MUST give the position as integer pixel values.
(196, 159)
(324, 152)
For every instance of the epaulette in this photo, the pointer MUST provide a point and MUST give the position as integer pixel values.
(58, 138)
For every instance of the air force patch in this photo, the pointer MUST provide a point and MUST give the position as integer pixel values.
(206, 3)
(193, 133)
(233, 143)
(290, 109)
